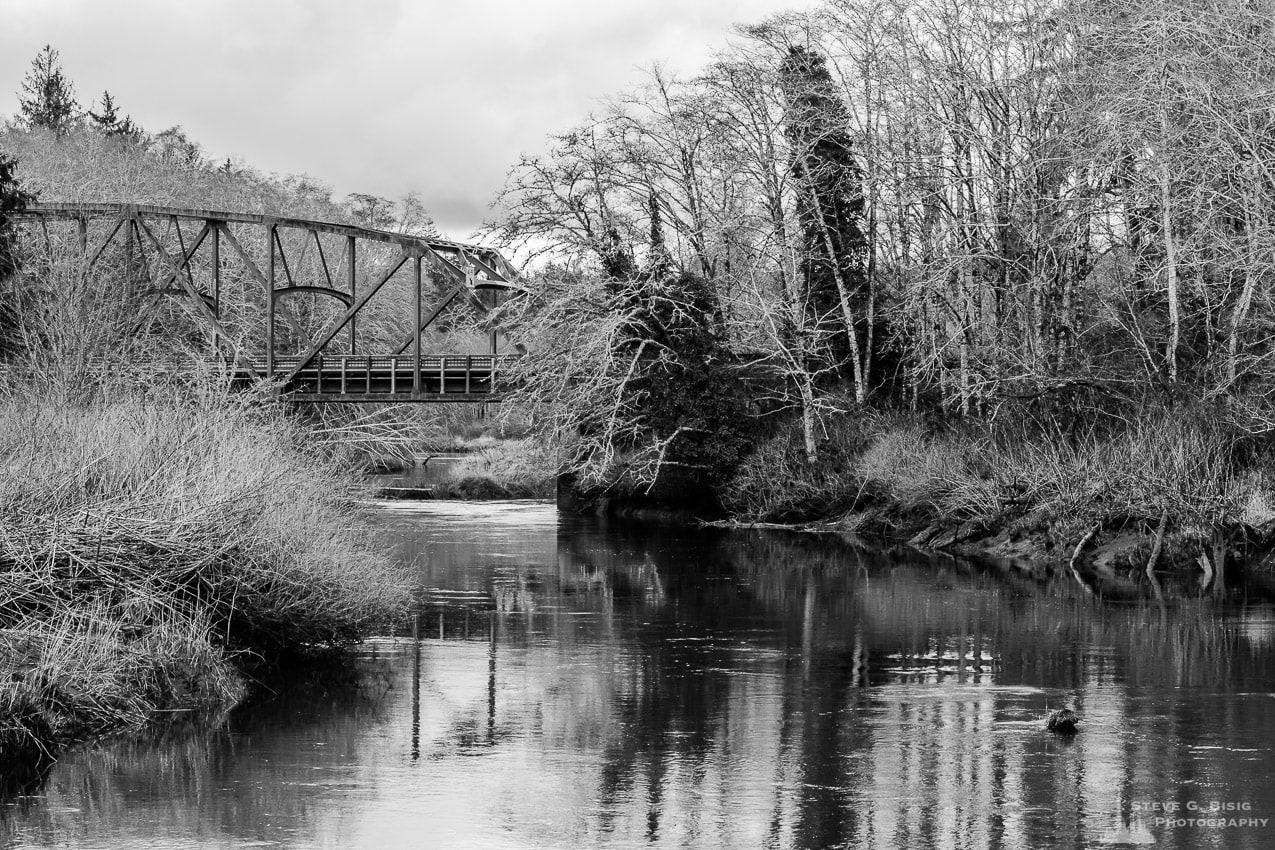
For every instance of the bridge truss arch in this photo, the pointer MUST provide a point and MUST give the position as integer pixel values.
(327, 311)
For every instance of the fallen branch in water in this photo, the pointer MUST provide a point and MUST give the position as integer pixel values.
(1075, 556)
(1155, 554)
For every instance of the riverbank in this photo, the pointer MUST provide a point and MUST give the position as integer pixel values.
(483, 468)
(158, 546)
(1173, 492)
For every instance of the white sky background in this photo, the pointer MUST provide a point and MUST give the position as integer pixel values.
(378, 96)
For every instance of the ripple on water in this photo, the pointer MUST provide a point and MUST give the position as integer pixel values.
(666, 688)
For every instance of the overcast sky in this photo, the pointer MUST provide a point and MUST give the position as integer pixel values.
(379, 96)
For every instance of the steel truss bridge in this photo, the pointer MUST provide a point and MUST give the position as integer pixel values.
(254, 283)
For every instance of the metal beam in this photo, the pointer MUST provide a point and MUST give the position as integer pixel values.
(351, 246)
(270, 302)
(343, 297)
(428, 320)
(105, 243)
(253, 270)
(354, 308)
(162, 252)
(406, 241)
(202, 310)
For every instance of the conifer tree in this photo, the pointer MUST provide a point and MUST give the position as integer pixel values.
(109, 117)
(48, 97)
(109, 122)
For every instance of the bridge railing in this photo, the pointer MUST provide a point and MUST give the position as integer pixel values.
(365, 377)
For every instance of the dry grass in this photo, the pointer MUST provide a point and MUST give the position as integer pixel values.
(512, 469)
(1182, 462)
(776, 483)
(151, 544)
(158, 534)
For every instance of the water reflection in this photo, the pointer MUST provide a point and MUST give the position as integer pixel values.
(578, 683)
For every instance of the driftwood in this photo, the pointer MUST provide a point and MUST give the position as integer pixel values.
(1075, 556)
(1207, 568)
(1219, 562)
(1159, 544)
(1155, 555)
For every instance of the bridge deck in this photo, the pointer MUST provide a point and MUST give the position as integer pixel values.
(388, 378)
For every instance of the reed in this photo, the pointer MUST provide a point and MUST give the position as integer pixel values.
(154, 545)
(1183, 463)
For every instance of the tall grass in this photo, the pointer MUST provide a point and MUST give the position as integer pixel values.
(158, 534)
(150, 544)
(777, 483)
(1185, 463)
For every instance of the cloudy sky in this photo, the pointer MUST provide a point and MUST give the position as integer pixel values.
(379, 96)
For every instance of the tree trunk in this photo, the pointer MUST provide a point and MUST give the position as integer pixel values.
(808, 418)
(1170, 253)
(843, 297)
(1240, 313)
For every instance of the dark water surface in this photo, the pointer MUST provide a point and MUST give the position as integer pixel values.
(578, 684)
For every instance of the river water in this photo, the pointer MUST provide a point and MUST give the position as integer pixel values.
(576, 683)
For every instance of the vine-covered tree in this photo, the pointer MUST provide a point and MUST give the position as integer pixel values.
(830, 208)
(48, 96)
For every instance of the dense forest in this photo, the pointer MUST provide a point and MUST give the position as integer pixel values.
(996, 260)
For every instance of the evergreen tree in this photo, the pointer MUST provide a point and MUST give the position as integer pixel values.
(109, 117)
(12, 198)
(690, 397)
(830, 202)
(108, 121)
(48, 97)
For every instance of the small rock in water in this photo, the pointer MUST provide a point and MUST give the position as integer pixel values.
(1063, 721)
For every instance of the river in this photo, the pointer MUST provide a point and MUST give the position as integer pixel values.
(582, 683)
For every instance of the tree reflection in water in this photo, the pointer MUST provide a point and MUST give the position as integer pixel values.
(601, 684)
